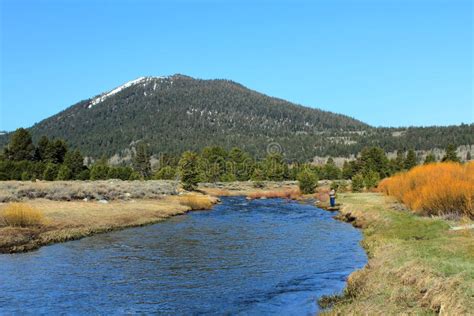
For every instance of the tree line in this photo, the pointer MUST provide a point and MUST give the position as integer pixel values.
(51, 159)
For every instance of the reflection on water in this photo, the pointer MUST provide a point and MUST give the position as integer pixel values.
(258, 257)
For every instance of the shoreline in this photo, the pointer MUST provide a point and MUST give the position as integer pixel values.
(72, 220)
(78, 209)
(409, 268)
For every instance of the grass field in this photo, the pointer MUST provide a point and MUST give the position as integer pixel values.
(416, 264)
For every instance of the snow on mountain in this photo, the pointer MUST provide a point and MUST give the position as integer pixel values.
(139, 80)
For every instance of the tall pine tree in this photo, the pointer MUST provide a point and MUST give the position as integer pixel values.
(141, 160)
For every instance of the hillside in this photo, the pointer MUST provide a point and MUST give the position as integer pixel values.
(178, 113)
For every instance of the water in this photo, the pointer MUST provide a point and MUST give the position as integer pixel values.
(257, 257)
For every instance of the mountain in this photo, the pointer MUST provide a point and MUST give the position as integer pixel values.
(177, 113)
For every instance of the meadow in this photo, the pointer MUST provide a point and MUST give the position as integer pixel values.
(417, 264)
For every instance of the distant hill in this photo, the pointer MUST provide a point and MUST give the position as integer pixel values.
(178, 113)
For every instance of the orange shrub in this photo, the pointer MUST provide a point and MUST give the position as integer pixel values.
(322, 195)
(435, 189)
(197, 202)
(291, 194)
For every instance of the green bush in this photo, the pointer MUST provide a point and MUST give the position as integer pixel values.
(84, 175)
(64, 173)
(165, 173)
(307, 181)
(357, 183)
(339, 185)
(25, 176)
(50, 172)
(99, 172)
(135, 176)
(371, 179)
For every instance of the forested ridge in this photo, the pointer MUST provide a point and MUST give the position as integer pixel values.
(178, 113)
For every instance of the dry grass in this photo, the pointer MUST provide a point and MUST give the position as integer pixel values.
(291, 194)
(416, 264)
(21, 215)
(197, 201)
(435, 189)
(322, 195)
(76, 219)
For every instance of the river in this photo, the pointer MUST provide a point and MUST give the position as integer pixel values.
(243, 257)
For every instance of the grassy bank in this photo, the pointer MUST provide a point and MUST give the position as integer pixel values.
(416, 264)
(68, 220)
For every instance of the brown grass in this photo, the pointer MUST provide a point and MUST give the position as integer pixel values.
(291, 194)
(197, 201)
(435, 189)
(21, 215)
(322, 194)
(244, 188)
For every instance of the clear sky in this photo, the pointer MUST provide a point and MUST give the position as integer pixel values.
(385, 62)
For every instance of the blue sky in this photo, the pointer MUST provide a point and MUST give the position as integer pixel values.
(385, 62)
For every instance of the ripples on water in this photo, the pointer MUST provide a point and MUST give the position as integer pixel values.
(258, 257)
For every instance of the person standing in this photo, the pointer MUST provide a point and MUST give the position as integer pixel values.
(332, 197)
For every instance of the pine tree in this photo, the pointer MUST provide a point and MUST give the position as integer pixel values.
(40, 151)
(75, 162)
(55, 151)
(307, 181)
(399, 162)
(451, 154)
(141, 160)
(330, 170)
(410, 160)
(430, 158)
(347, 171)
(21, 146)
(371, 179)
(374, 158)
(64, 173)
(50, 172)
(274, 167)
(188, 170)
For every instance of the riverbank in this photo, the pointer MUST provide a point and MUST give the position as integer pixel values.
(73, 219)
(417, 265)
(77, 209)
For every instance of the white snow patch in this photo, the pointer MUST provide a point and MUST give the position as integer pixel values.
(143, 80)
(115, 91)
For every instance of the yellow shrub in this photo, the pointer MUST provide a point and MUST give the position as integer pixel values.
(435, 189)
(21, 215)
(196, 202)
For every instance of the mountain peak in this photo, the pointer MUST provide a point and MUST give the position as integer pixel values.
(102, 97)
